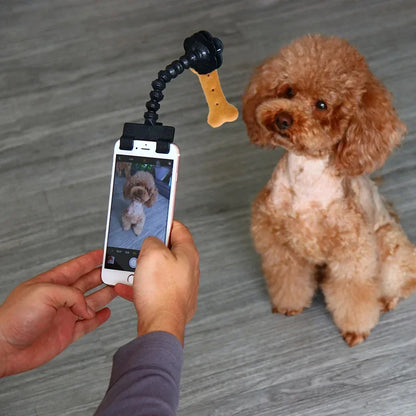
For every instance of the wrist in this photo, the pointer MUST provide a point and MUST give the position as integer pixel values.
(162, 321)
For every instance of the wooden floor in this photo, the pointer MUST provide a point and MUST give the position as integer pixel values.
(71, 73)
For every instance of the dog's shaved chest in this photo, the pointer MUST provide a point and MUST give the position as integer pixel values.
(311, 184)
(135, 208)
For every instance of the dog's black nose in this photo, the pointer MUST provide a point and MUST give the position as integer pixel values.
(284, 120)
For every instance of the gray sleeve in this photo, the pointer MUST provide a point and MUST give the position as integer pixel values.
(145, 377)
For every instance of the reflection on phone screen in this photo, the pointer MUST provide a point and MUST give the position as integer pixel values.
(139, 207)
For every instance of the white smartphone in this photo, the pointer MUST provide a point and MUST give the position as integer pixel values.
(141, 204)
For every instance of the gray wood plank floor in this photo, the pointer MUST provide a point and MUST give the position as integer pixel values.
(71, 73)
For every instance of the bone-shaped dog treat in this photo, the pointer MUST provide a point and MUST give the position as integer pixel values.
(220, 110)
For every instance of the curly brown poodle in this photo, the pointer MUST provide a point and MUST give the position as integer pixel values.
(140, 190)
(320, 211)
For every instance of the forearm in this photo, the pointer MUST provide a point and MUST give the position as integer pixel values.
(145, 377)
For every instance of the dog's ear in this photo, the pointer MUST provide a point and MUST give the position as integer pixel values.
(257, 91)
(152, 197)
(373, 132)
(250, 102)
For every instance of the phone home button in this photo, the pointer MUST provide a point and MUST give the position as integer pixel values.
(130, 278)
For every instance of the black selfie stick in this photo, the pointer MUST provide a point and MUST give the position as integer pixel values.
(203, 53)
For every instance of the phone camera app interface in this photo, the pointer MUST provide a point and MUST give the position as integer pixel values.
(139, 208)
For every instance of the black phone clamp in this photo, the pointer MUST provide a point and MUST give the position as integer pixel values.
(203, 53)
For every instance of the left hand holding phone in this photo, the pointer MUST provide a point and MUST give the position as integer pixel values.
(44, 315)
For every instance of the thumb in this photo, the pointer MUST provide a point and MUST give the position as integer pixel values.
(151, 243)
(70, 297)
(125, 291)
(182, 242)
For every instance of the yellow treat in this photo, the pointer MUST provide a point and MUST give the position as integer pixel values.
(220, 110)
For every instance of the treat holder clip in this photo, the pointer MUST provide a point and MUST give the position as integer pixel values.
(203, 54)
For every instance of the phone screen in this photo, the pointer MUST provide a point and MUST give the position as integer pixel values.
(139, 207)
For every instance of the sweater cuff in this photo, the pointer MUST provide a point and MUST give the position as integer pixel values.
(158, 349)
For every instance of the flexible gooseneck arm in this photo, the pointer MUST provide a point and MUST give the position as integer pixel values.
(203, 53)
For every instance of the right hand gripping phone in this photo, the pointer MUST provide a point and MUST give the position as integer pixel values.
(141, 204)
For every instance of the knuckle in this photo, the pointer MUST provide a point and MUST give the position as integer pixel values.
(37, 290)
(77, 292)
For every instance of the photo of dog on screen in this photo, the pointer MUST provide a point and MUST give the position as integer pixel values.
(140, 201)
(141, 191)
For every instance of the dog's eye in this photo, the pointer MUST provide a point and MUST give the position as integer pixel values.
(289, 93)
(321, 105)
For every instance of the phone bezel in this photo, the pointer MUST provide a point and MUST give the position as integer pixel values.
(145, 149)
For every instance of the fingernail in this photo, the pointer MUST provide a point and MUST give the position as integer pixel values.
(91, 312)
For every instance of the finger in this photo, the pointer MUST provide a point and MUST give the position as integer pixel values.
(67, 273)
(59, 296)
(100, 298)
(150, 244)
(182, 240)
(89, 281)
(125, 291)
(180, 234)
(88, 325)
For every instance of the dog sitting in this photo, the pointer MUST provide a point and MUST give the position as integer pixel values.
(139, 189)
(319, 211)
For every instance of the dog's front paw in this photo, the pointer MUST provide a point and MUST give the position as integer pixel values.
(354, 338)
(286, 311)
(137, 228)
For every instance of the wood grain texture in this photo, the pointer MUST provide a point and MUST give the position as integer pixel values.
(71, 73)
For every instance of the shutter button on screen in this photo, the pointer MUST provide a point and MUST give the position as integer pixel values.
(130, 278)
(133, 262)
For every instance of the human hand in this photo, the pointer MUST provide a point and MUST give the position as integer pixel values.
(43, 315)
(166, 283)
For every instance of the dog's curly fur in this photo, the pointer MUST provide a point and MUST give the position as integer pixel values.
(139, 189)
(318, 99)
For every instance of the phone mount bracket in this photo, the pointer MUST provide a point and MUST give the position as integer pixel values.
(203, 53)
(163, 135)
